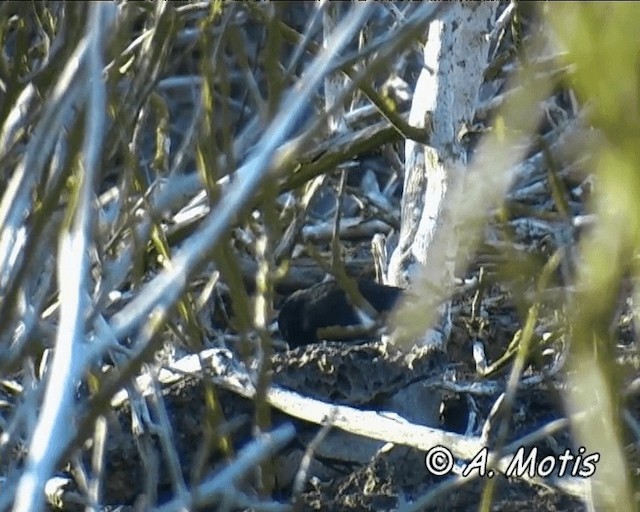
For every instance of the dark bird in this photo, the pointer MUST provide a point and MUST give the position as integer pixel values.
(327, 305)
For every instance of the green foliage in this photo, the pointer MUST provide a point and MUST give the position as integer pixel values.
(602, 43)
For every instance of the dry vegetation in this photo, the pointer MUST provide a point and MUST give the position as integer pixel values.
(167, 177)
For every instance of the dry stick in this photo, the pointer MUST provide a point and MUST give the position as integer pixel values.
(167, 442)
(503, 409)
(164, 289)
(305, 463)
(224, 482)
(386, 427)
(17, 196)
(263, 302)
(44, 448)
(392, 428)
(98, 461)
(349, 228)
(288, 240)
(382, 426)
(158, 295)
(368, 138)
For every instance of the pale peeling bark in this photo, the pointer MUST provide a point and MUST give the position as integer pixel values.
(445, 97)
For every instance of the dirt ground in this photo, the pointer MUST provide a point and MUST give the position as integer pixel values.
(363, 375)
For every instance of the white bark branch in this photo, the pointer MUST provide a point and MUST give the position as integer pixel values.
(455, 57)
(52, 428)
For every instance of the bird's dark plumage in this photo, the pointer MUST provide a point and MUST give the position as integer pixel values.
(326, 305)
